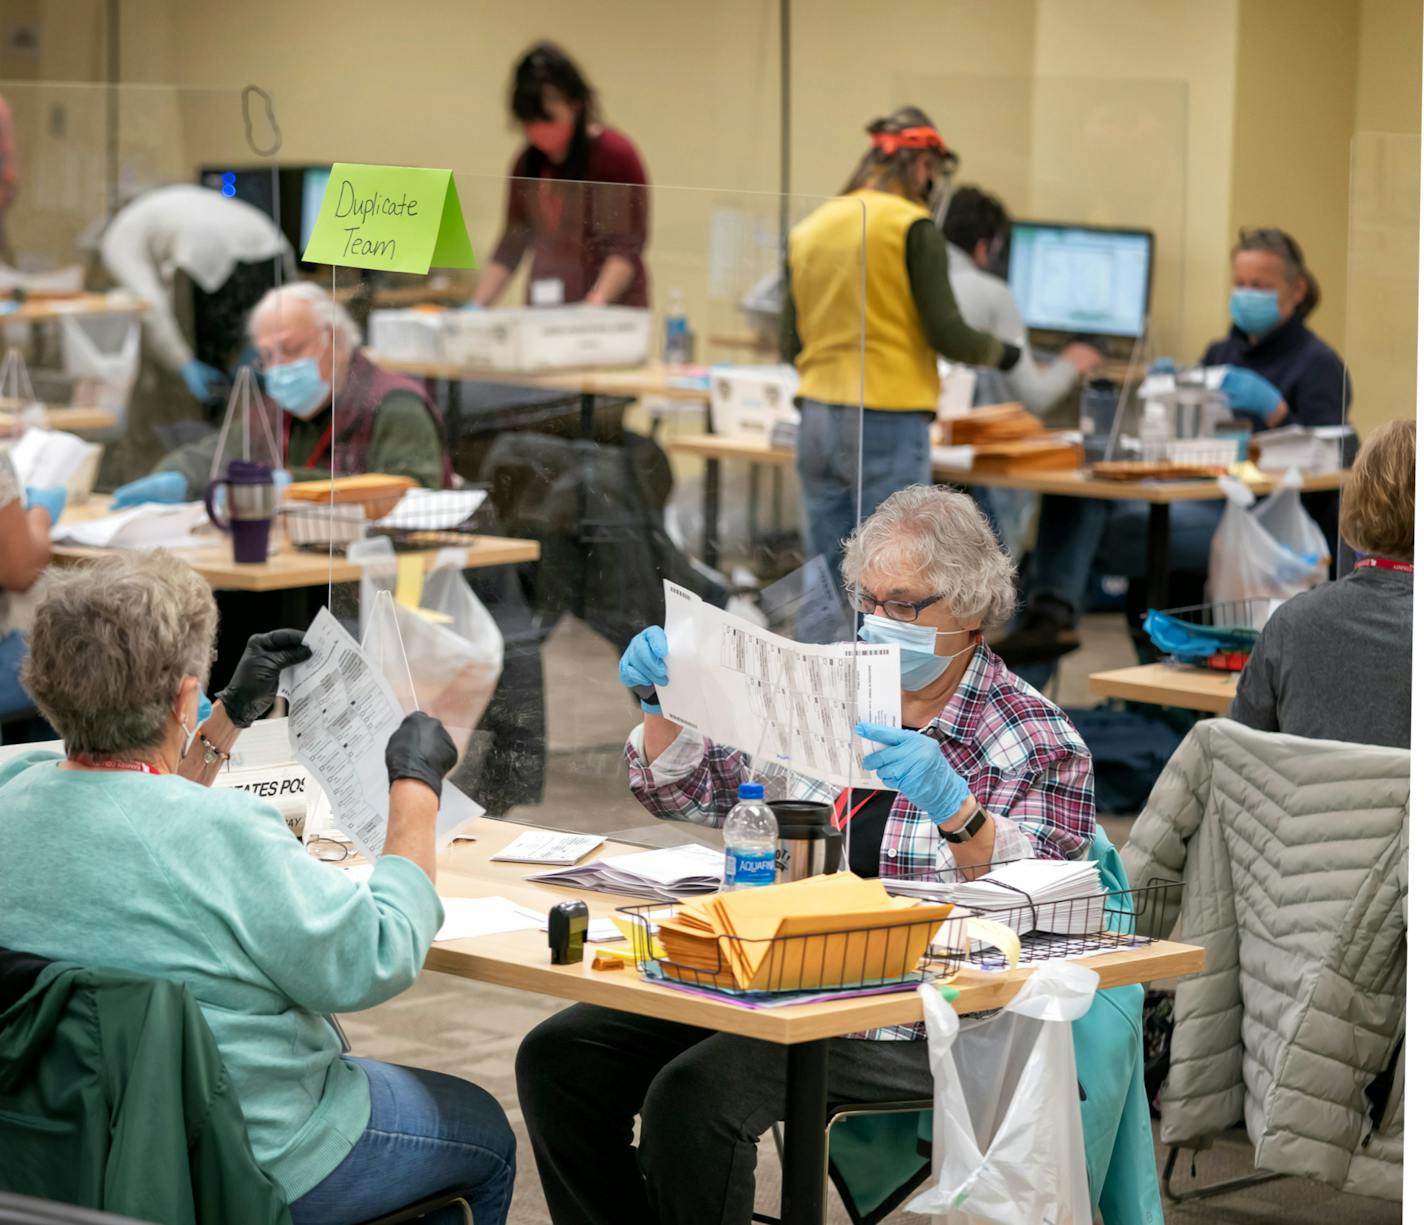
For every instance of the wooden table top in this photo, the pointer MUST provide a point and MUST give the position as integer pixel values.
(1168, 685)
(286, 568)
(650, 380)
(1074, 483)
(76, 420)
(84, 305)
(521, 960)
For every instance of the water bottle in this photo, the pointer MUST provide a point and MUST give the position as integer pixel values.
(677, 340)
(750, 837)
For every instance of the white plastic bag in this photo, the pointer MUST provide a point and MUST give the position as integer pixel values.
(103, 354)
(1272, 550)
(443, 658)
(1008, 1134)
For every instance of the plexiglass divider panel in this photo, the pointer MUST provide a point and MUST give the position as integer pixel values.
(584, 454)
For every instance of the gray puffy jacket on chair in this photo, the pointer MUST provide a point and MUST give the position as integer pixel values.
(1293, 854)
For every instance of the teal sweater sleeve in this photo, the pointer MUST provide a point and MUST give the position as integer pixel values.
(328, 943)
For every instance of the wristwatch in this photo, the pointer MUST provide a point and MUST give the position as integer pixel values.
(970, 827)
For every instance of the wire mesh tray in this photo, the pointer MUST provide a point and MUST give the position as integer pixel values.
(322, 525)
(849, 959)
(1239, 621)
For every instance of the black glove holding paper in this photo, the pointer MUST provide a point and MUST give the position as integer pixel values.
(253, 688)
(421, 748)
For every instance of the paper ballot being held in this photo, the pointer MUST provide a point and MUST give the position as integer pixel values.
(342, 713)
(790, 703)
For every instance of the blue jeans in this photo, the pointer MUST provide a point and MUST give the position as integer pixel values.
(1079, 535)
(428, 1133)
(893, 449)
(13, 697)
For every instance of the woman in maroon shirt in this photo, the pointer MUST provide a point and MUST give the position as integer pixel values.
(578, 195)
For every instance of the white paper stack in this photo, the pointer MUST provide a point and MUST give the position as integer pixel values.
(1064, 897)
(150, 526)
(658, 876)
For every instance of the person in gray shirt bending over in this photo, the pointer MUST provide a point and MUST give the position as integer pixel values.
(1333, 663)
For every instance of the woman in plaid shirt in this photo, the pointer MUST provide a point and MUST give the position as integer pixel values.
(984, 768)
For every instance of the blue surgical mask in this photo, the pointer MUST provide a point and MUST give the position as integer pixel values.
(1255, 311)
(298, 387)
(919, 665)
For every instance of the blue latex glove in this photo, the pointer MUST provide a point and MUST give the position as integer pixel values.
(644, 664)
(912, 764)
(204, 381)
(1163, 365)
(157, 487)
(51, 497)
(473, 306)
(281, 478)
(1248, 393)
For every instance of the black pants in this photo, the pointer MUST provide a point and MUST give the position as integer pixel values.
(705, 1099)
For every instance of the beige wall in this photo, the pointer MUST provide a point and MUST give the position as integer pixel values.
(1192, 118)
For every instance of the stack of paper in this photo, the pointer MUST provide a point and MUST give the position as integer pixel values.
(45, 458)
(548, 846)
(1064, 897)
(658, 876)
(150, 526)
(824, 931)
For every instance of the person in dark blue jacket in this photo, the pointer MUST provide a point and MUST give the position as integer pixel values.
(1278, 373)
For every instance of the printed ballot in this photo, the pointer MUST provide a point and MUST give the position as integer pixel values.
(789, 703)
(663, 875)
(341, 714)
(549, 846)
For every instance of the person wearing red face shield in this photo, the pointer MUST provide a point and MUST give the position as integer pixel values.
(578, 195)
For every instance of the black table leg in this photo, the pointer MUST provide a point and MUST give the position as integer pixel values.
(803, 1172)
(711, 511)
(1159, 553)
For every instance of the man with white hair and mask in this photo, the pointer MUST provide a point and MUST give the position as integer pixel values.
(339, 412)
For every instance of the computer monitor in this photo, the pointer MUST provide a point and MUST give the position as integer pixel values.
(1079, 280)
(290, 194)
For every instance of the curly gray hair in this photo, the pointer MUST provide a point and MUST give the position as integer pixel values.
(937, 537)
(111, 644)
(329, 314)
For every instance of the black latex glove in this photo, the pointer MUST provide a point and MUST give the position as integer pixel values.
(421, 748)
(253, 688)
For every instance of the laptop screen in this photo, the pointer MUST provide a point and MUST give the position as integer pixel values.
(1079, 279)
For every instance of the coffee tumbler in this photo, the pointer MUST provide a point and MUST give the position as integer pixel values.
(251, 502)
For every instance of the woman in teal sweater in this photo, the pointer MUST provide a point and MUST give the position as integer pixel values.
(120, 855)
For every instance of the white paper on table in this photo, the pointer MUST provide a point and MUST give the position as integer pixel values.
(433, 510)
(341, 714)
(467, 917)
(550, 846)
(45, 458)
(150, 526)
(960, 457)
(791, 703)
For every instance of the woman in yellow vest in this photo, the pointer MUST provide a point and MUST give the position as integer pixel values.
(872, 265)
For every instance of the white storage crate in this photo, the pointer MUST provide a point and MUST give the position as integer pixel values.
(547, 338)
(406, 335)
(1318, 449)
(750, 400)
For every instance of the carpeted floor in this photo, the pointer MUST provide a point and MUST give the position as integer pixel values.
(473, 1029)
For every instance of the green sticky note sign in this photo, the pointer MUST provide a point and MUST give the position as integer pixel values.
(390, 218)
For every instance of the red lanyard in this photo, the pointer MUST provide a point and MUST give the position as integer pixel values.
(1384, 563)
(322, 446)
(839, 817)
(137, 767)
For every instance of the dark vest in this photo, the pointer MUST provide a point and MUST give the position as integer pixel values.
(366, 386)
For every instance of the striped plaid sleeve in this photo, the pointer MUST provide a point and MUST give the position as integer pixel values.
(702, 793)
(1057, 811)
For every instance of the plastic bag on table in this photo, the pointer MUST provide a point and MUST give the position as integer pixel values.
(1272, 550)
(1008, 1133)
(444, 656)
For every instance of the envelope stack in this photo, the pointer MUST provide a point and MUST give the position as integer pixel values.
(825, 931)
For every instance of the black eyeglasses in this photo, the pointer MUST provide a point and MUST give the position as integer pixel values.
(896, 610)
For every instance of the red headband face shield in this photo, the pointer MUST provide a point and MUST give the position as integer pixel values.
(923, 140)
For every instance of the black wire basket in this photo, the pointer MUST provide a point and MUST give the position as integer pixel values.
(857, 959)
(419, 523)
(849, 959)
